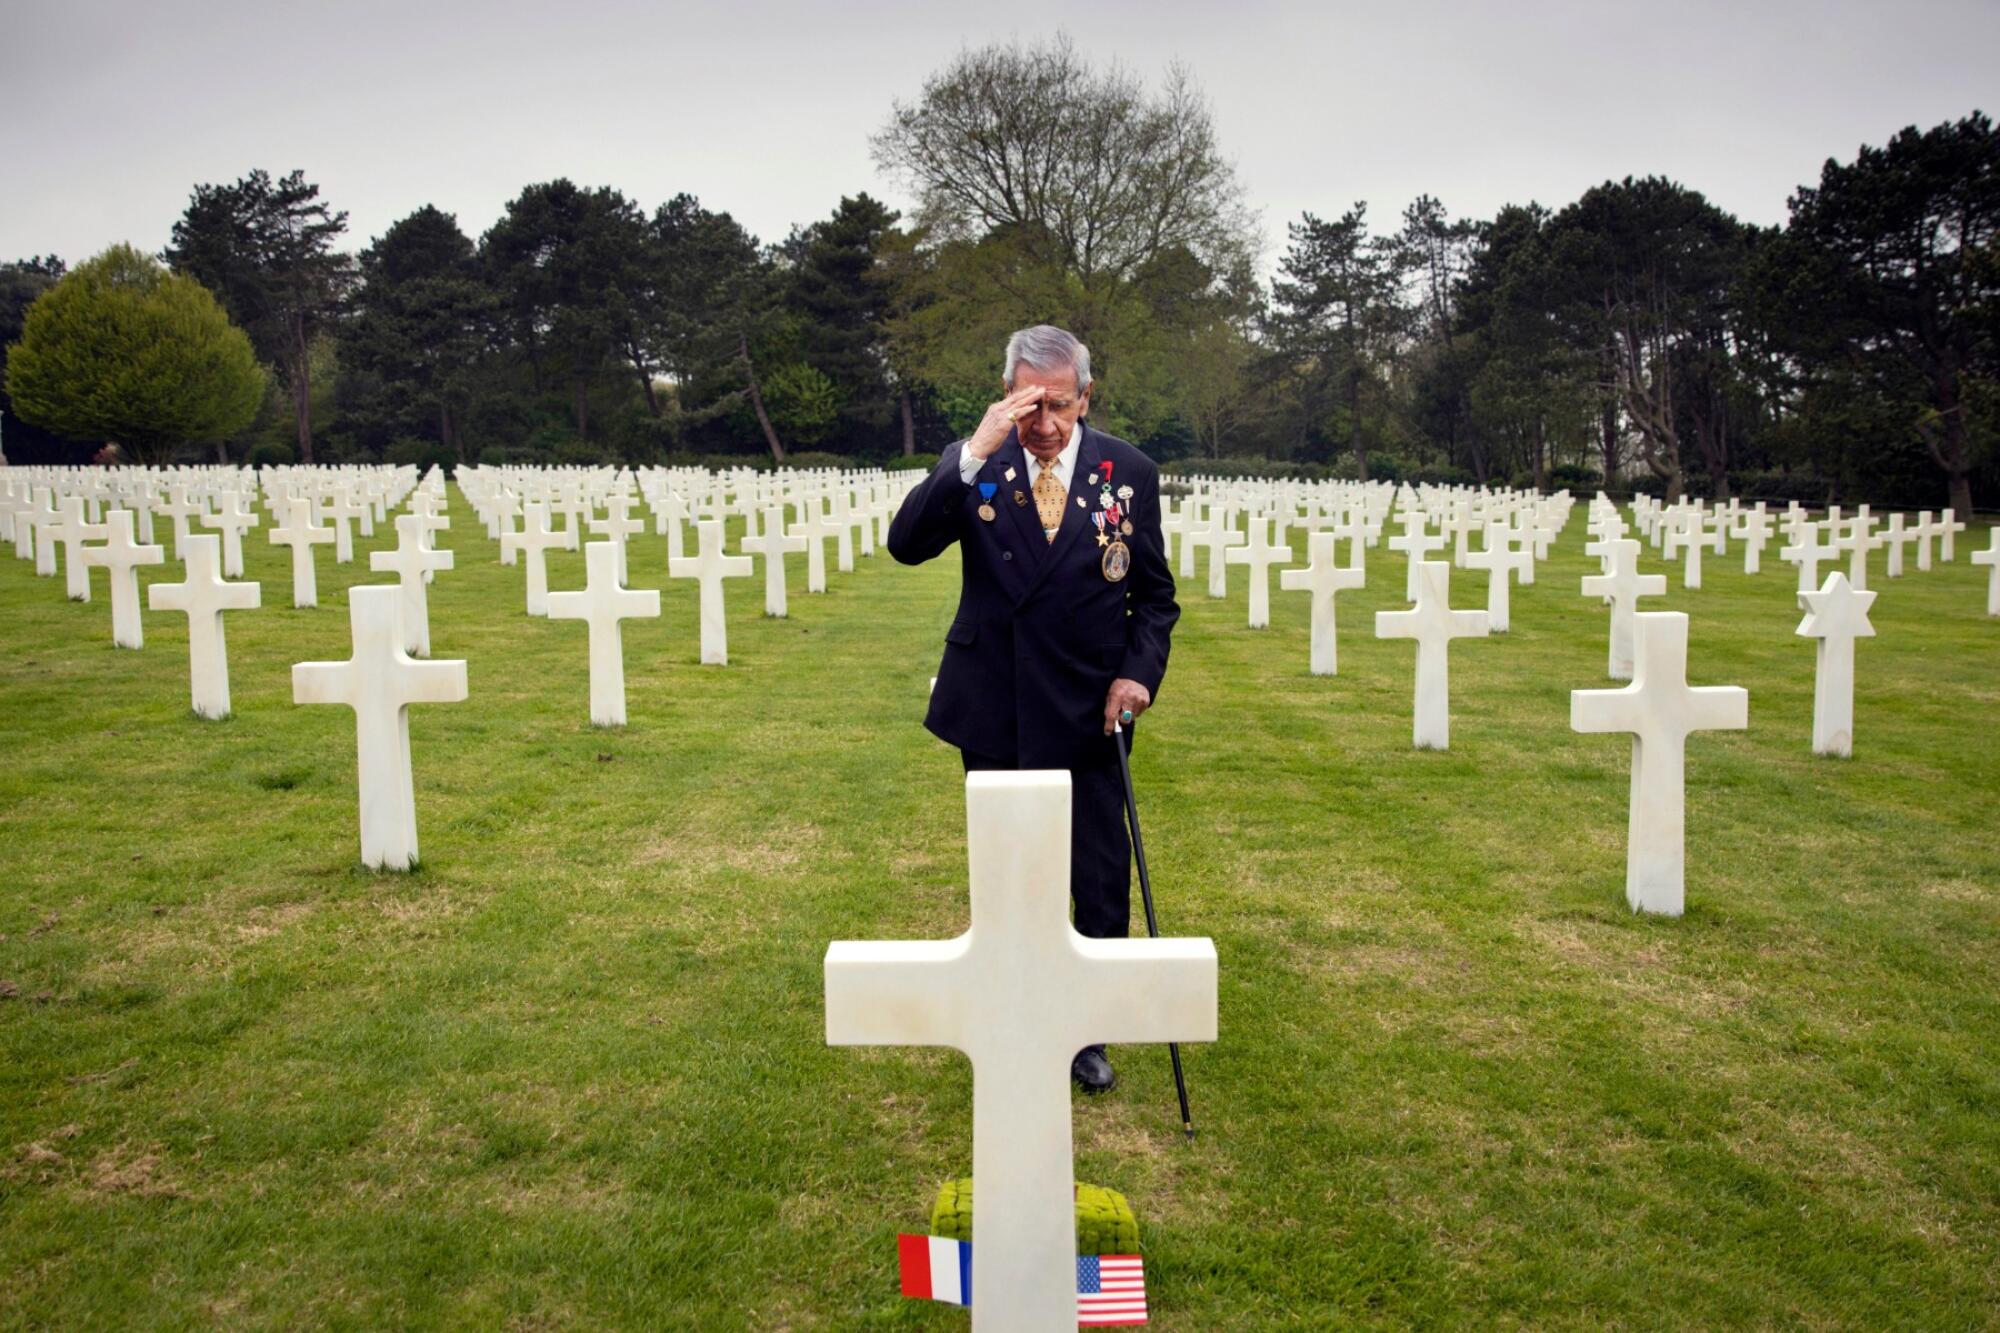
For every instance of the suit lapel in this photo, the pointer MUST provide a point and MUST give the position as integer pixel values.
(1026, 520)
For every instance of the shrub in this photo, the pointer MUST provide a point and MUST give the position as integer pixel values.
(271, 454)
(1105, 1223)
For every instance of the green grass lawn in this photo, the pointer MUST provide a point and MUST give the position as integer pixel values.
(571, 1073)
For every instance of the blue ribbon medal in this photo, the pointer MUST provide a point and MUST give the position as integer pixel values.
(986, 489)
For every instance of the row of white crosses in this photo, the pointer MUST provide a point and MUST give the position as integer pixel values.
(1505, 520)
(1687, 529)
(56, 516)
(831, 507)
(379, 681)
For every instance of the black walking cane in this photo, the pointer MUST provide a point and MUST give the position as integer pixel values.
(1122, 738)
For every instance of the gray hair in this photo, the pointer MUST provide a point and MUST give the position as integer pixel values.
(1045, 348)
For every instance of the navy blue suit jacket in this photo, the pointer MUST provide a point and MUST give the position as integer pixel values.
(1040, 633)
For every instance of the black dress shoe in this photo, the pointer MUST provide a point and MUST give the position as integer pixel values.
(1092, 1071)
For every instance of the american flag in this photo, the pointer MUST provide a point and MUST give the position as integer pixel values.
(1110, 1289)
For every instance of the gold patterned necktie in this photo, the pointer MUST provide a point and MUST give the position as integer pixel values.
(1049, 500)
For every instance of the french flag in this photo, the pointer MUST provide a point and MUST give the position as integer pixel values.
(936, 1268)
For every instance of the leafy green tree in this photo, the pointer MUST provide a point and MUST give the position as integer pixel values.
(1431, 255)
(418, 326)
(266, 249)
(717, 303)
(1647, 269)
(570, 271)
(1886, 277)
(1334, 313)
(123, 350)
(838, 294)
(804, 402)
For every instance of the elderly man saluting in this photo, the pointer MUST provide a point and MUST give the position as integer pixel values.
(1065, 614)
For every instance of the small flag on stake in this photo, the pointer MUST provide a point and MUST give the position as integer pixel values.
(936, 1268)
(1110, 1288)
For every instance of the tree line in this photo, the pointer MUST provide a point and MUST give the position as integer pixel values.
(1639, 337)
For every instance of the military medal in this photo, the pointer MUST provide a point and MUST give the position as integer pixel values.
(1117, 561)
(986, 489)
(1126, 527)
(1020, 497)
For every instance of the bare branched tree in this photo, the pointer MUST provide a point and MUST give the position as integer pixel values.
(1093, 170)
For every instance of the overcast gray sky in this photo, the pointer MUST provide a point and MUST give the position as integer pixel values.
(110, 111)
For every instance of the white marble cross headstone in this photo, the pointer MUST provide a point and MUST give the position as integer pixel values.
(1807, 554)
(667, 519)
(773, 545)
(342, 507)
(233, 515)
(602, 604)
(1501, 562)
(204, 596)
(1948, 527)
(616, 525)
(380, 682)
(535, 538)
(1192, 527)
(120, 558)
(840, 509)
(1659, 708)
(1020, 993)
(711, 567)
(815, 527)
(1753, 529)
(1836, 615)
(1925, 530)
(1990, 557)
(298, 532)
(1259, 555)
(1352, 528)
(1689, 535)
(1897, 537)
(180, 509)
(410, 561)
(71, 531)
(1218, 535)
(1433, 624)
(1861, 538)
(1623, 585)
(32, 525)
(1322, 578)
(1418, 541)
